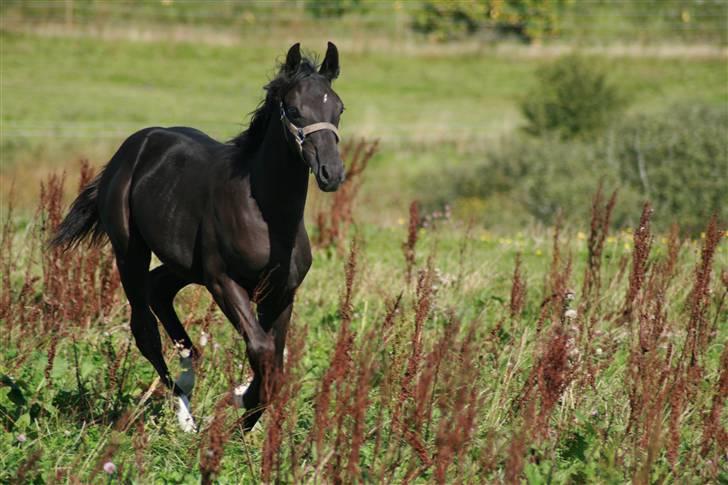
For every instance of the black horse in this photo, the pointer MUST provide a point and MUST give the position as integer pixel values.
(225, 215)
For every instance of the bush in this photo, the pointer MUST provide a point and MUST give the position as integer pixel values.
(678, 159)
(573, 97)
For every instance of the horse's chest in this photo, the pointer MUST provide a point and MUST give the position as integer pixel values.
(251, 249)
(258, 257)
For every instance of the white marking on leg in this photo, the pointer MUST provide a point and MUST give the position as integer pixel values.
(184, 415)
(239, 392)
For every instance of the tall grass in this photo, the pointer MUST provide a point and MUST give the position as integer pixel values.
(403, 368)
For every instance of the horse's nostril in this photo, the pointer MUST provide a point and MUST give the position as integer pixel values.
(324, 173)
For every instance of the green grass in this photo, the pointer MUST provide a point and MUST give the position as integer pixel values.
(65, 98)
(77, 420)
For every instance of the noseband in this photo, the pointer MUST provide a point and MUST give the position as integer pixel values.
(300, 133)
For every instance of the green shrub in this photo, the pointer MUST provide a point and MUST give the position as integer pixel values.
(679, 160)
(676, 158)
(525, 178)
(573, 96)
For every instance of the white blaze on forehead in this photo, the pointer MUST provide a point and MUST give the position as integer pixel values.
(326, 97)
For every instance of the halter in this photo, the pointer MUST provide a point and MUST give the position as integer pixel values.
(300, 133)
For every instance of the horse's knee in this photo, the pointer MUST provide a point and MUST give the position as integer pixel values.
(261, 352)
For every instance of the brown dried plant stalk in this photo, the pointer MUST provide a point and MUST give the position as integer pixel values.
(334, 220)
(408, 248)
(640, 254)
(601, 215)
(518, 289)
(341, 360)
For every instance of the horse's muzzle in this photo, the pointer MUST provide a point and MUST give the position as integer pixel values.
(329, 180)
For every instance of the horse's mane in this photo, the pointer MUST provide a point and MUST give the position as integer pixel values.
(250, 139)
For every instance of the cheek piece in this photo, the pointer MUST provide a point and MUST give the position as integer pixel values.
(301, 132)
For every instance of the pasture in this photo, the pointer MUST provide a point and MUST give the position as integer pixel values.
(432, 112)
(426, 345)
(417, 353)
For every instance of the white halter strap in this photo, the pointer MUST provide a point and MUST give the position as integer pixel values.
(300, 133)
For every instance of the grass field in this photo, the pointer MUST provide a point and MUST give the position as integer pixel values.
(70, 98)
(476, 368)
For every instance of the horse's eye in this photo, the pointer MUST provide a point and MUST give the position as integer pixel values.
(342, 110)
(292, 112)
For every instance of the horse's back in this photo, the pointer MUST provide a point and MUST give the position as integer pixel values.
(158, 186)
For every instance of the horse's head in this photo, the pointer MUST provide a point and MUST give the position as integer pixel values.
(310, 112)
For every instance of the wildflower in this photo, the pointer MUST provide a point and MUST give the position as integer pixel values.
(400, 221)
(109, 468)
(22, 438)
(203, 339)
(570, 314)
(581, 236)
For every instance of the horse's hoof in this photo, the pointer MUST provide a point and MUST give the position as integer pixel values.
(239, 392)
(184, 416)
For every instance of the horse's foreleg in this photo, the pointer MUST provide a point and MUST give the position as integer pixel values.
(258, 392)
(235, 303)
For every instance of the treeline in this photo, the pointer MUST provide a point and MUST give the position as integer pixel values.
(439, 20)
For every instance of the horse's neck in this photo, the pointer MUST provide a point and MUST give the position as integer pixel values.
(279, 177)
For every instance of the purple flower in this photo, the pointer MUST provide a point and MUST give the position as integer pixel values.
(22, 438)
(109, 468)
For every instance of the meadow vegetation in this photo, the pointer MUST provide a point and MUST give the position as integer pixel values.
(523, 278)
(439, 353)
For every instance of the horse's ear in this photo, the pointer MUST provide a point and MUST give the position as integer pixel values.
(293, 58)
(330, 66)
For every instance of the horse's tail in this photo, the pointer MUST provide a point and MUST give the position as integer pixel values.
(82, 222)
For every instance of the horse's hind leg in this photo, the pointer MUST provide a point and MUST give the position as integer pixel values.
(163, 286)
(133, 264)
